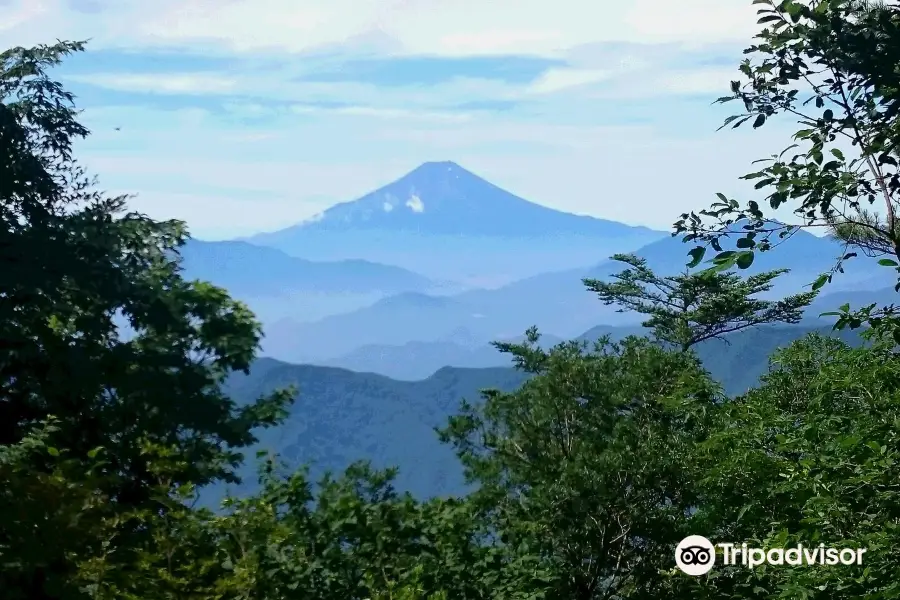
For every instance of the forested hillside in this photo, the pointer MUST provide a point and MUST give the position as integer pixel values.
(339, 416)
(587, 465)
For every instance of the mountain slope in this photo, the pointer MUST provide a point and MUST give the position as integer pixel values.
(444, 198)
(341, 416)
(277, 286)
(418, 360)
(242, 267)
(392, 321)
(855, 298)
(444, 221)
(556, 302)
(803, 254)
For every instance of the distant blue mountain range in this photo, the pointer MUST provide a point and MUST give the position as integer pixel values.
(278, 286)
(242, 267)
(417, 360)
(556, 302)
(398, 272)
(447, 223)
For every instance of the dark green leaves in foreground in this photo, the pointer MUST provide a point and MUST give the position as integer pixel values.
(830, 66)
(585, 472)
(102, 336)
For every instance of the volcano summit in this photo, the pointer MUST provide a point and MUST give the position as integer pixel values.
(448, 223)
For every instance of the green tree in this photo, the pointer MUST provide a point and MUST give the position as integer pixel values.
(585, 475)
(351, 537)
(687, 309)
(76, 265)
(831, 66)
(410, 591)
(49, 517)
(811, 456)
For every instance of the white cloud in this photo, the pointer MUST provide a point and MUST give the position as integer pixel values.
(247, 109)
(236, 172)
(387, 207)
(435, 27)
(697, 81)
(162, 83)
(218, 215)
(555, 80)
(495, 41)
(346, 98)
(394, 113)
(633, 78)
(415, 204)
(655, 83)
(17, 14)
(691, 21)
(195, 168)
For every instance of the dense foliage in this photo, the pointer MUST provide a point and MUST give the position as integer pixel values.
(831, 65)
(687, 309)
(584, 477)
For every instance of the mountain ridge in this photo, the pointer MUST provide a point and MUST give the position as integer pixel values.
(340, 416)
(556, 302)
(445, 198)
(239, 265)
(445, 222)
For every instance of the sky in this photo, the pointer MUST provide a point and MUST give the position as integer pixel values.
(240, 116)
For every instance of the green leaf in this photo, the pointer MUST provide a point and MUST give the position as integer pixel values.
(821, 281)
(837, 154)
(726, 256)
(745, 259)
(696, 255)
(52, 451)
(886, 262)
(759, 121)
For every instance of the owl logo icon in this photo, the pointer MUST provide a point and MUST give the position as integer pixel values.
(695, 555)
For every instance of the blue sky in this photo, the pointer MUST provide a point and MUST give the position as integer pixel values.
(246, 115)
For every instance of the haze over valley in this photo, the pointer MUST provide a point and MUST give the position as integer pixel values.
(389, 283)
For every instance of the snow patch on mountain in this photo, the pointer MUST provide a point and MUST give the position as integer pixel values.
(415, 204)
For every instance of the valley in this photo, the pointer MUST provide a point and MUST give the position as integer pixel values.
(383, 342)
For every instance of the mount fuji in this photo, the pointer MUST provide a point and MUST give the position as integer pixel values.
(447, 223)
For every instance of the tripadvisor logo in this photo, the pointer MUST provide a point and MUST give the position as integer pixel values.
(696, 555)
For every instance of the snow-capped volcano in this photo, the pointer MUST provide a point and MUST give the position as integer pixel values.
(444, 221)
(444, 198)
